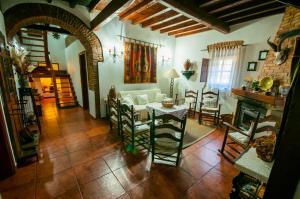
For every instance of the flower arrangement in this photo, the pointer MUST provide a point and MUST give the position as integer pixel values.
(18, 55)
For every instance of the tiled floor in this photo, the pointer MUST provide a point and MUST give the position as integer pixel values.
(81, 158)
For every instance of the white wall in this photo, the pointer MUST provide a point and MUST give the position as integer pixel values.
(254, 33)
(56, 48)
(73, 68)
(111, 73)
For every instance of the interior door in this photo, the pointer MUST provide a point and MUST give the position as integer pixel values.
(84, 85)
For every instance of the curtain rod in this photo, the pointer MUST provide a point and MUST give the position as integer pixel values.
(207, 49)
(137, 40)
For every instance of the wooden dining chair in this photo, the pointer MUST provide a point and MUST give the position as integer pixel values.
(189, 101)
(209, 107)
(167, 134)
(135, 134)
(243, 138)
(114, 113)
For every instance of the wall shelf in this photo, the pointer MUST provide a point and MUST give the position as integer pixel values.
(188, 73)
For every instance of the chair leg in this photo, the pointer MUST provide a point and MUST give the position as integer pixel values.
(200, 117)
(224, 141)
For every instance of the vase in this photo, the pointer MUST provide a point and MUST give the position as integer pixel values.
(112, 92)
(187, 64)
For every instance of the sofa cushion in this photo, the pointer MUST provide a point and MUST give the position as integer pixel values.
(127, 100)
(150, 92)
(160, 97)
(142, 99)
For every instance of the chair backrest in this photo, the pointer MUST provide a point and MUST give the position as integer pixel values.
(127, 116)
(113, 107)
(191, 94)
(210, 95)
(166, 128)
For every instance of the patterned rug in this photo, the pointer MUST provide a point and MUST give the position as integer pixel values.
(195, 132)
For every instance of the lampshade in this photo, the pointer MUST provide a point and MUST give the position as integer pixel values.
(172, 73)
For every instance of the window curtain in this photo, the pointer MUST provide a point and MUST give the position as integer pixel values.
(225, 65)
(140, 63)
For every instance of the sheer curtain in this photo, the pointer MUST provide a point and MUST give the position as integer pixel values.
(225, 66)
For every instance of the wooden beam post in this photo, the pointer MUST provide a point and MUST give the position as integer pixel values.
(137, 8)
(111, 8)
(93, 4)
(189, 9)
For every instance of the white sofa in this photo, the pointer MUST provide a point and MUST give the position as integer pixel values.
(152, 98)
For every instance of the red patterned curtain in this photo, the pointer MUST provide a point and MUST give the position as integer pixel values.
(140, 63)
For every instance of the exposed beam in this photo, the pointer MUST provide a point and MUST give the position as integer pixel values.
(189, 9)
(254, 11)
(232, 5)
(192, 32)
(111, 8)
(243, 8)
(170, 22)
(256, 16)
(136, 9)
(192, 28)
(159, 18)
(48, 28)
(152, 11)
(209, 3)
(93, 4)
(179, 26)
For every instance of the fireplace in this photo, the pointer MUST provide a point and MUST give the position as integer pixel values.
(248, 112)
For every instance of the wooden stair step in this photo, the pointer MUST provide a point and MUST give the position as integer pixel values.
(33, 45)
(32, 38)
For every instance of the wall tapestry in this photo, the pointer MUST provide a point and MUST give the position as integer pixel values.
(140, 63)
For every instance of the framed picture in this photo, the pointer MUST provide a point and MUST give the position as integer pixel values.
(252, 66)
(263, 54)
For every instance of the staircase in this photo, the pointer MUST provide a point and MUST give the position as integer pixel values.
(36, 42)
(65, 93)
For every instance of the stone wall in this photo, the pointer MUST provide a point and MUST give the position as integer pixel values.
(290, 21)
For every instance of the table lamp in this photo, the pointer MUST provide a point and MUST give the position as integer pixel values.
(172, 74)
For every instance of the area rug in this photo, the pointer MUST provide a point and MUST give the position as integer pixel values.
(195, 132)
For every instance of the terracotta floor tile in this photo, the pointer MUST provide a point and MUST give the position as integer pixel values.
(195, 166)
(91, 170)
(73, 193)
(56, 185)
(207, 155)
(199, 191)
(47, 167)
(26, 191)
(81, 156)
(24, 175)
(227, 168)
(131, 176)
(105, 187)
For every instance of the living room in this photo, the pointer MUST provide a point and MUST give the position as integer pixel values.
(221, 76)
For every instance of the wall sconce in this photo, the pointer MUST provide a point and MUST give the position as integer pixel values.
(114, 53)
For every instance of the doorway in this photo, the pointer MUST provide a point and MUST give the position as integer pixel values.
(84, 83)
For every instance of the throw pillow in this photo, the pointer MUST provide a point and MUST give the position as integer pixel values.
(160, 97)
(127, 100)
(142, 99)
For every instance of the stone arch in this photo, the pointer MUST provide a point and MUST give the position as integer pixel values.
(25, 14)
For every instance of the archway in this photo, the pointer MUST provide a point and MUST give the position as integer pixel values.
(26, 14)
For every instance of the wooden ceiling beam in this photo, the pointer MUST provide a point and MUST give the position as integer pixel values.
(136, 9)
(256, 10)
(256, 16)
(192, 32)
(159, 18)
(48, 28)
(93, 4)
(110, 9)
(231, 5)
(244, 7)
(192, 28)
(179, 26)
(170, 22)
(189, 9)
(154, 10)
(209, 3)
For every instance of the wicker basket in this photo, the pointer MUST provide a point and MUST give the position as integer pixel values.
(168, 104)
